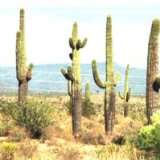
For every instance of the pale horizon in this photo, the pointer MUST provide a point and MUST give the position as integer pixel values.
(49, 25)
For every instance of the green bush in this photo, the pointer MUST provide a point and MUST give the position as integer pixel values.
(149, 136)
(33, 115)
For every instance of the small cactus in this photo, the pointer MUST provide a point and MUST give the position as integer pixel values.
(88, 108)
(24, 73)
(87, 92)
(73, 77)
(126, 93)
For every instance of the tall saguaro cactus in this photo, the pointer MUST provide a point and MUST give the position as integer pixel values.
(109, 84)
(152, 68)
(126, 93)
(74, 79)
(23, 73)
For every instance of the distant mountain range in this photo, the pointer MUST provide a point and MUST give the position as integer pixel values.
(48, 79)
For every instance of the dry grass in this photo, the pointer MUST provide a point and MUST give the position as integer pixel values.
(58, 143)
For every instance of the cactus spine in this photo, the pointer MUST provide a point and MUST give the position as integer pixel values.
(74, 79)
(23, 73)
(126, 93)
(109, 84)
(152, 69)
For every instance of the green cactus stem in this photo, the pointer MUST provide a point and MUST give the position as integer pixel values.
(126, 93)
(23, 73)
(110, 80)
(88, 107)
(152, 69)
(87, 100)
(87, 92)
(73, 77)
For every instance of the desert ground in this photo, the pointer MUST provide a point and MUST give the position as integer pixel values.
(57, 142)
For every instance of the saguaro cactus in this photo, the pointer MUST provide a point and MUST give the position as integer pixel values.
(74, 79)
(23, 73)
(152, 68)
(109, 84)
(126, 92)
(88, 108)
(87, 92)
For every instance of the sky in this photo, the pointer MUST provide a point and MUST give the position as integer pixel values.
(49, 24)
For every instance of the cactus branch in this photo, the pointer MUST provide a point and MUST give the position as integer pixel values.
(96, 75)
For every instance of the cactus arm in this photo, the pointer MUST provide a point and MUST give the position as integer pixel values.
(71, 56)
(65, 74)
(128, 95)
(120, 95)
(96, 75)
(78, 44)
(69, 88)
(126, 79)
(83, 43)
(29, 72)
(71, 44)
(68, 74)
(126, 92)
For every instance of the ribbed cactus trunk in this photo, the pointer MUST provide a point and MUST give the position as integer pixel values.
(109, 84)
(74, 80)
(77, 93)
(127, 92)
(109, 91)
(152, 69)
(23, 73)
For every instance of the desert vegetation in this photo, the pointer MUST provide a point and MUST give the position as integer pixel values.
(82, 125)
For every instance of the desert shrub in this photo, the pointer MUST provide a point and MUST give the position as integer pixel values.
(125, 130)
(7, 151)
(6, 124)
(33, 115)
(149, 136)
(88, 108)
(8, 108)
(3, 129)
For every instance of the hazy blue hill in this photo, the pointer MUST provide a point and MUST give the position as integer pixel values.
(48, 78)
